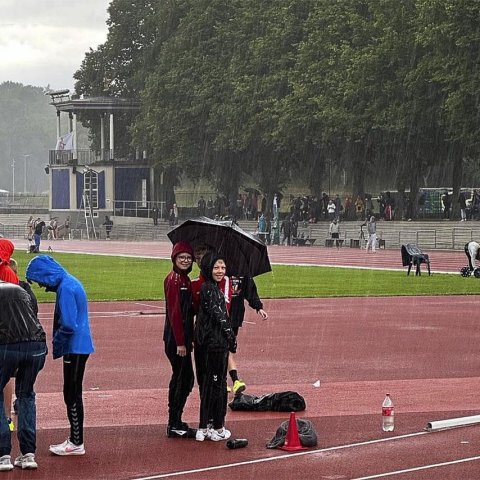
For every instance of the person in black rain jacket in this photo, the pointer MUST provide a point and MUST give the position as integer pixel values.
(22, 350)
(214, 338)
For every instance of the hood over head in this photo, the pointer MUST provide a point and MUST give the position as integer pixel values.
(6, 250)
(182, 247)
(45, 270)
(207, 263)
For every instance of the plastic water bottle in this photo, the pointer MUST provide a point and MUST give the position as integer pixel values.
(388, 414)
(237, 443)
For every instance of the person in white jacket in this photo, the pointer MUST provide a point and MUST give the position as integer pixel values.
(472, 251)
(372, 234)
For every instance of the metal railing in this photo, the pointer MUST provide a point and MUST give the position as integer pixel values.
(85, 157)
(132, 208)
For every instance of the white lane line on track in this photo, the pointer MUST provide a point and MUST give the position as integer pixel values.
(281, 457)
(355, 267)
(149, 305)
(416, 469)
(111, 314)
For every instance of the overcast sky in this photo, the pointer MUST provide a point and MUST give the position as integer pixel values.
(43, 42)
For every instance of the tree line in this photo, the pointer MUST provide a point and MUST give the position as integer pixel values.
(383, 91)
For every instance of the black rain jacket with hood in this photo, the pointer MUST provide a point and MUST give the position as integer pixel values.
(213, 330)
(18, 322)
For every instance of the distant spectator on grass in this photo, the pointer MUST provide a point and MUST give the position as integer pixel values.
(286, 230)
(331, 210)
(262, 228)
(462, 200)
(38, 227)
(447, 204)
(29, 228)
(334, 230)
(66, 228)
(108, 224)
(52, 229)
(359, 208)
(372, 234)
(202, 206)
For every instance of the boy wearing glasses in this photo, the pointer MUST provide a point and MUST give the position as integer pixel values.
(178, 338)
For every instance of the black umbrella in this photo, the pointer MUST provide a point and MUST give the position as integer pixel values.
(244, 254)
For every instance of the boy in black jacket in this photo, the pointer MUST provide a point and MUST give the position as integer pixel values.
(243, 288)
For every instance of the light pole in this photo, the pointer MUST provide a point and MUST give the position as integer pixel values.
(13, 180)
(25, 174)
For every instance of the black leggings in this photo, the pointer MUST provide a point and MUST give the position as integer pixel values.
(73, 372)
(213, 392)
(180, 386)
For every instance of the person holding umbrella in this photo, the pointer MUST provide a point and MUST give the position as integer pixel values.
(215, 338)
(246, 257)
(178, 338)
(235, 289)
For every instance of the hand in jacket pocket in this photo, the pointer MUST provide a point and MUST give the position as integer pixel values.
(61, 342)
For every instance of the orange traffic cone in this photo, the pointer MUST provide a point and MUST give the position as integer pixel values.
(292, 440)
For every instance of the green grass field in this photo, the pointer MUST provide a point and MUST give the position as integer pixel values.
(126, 278)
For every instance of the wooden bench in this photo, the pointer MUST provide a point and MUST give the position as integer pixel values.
(354, 243)
(412, 255)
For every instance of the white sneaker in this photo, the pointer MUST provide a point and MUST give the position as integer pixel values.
(26, 462)
(202, 434)
(217, 435)
(67, 448)
(5, 463)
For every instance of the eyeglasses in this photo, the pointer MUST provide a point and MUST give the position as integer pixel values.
(185, 258)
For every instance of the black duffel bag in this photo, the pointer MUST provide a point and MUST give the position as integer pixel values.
(276, 402)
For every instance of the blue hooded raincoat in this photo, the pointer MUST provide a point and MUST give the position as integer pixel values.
(71, 327)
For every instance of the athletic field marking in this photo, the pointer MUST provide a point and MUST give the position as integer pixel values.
(148, 305)
(416, 469)
(280, 457)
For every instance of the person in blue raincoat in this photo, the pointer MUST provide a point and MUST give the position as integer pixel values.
(72, 340)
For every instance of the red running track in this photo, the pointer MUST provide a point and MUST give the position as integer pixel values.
(422, 351)
(441, 260)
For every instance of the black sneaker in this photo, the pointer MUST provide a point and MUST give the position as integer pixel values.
(181, 430)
